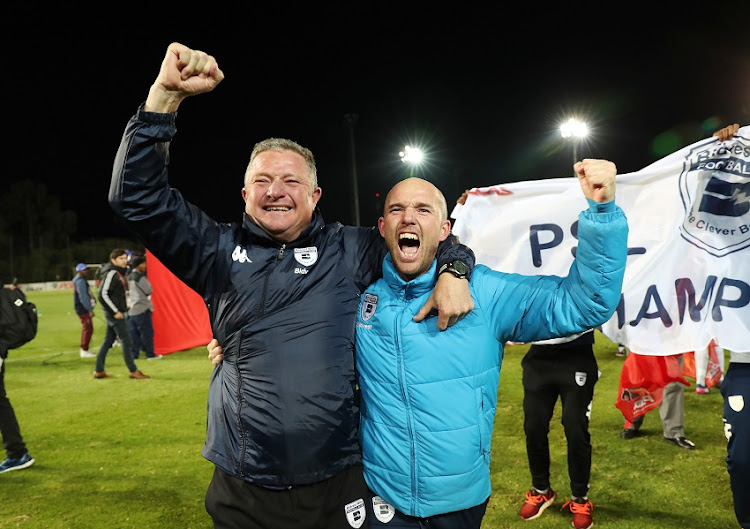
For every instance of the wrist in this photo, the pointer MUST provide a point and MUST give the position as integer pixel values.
(162, 101)
(457, 268)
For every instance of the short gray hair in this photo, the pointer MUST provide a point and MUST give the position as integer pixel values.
(283, 144)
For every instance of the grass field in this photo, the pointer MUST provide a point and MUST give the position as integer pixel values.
(121, 453)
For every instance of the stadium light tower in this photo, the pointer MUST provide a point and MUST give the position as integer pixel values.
(576, 130)
(412, 156)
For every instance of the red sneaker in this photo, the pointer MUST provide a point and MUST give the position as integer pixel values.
(581, 510)
(535, 503)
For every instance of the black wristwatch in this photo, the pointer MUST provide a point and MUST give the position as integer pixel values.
(457, 268)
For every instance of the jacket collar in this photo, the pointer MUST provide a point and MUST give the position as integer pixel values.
(411, 289)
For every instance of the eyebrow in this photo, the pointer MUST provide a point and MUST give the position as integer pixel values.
(417, 205)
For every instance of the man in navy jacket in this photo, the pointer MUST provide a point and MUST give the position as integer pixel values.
(282, 288)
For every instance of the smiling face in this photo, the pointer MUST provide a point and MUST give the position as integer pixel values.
(414, 222)
(279, 194)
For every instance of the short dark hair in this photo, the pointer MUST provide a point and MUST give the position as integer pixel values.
(117, 252)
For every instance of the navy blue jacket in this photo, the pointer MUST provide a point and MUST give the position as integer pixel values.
(282, 408)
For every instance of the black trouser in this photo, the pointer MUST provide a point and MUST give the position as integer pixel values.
(570, 373)
(382, 514)
(336, 503)
(736, 391)
(9, 429)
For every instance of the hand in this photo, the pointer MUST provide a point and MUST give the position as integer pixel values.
(597, 179)
(462, 199)
(727, 132)
(184, 72)
(451, 299)
(215, 352)
(119, 315)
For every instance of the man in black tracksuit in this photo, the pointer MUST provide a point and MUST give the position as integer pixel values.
(113, 290)
(564, 368)
(282, 288)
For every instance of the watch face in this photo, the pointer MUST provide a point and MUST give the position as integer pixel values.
(461, 268)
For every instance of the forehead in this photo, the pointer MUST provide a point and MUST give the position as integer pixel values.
(413, 193)
(279, 162)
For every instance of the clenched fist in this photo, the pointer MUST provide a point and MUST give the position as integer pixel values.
(184, 72)
(597, 179)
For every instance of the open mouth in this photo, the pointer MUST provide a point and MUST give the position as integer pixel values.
(408, 243)
(277, 208)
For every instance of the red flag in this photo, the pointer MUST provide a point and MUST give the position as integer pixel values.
(713, 370)
(642, 382)
(713, 373)
(180, 315)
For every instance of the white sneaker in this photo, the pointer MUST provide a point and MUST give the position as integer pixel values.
(86, 354)
(156, 357)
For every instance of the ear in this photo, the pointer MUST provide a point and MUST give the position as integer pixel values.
(445, 230)
(244, 194)
(316, 196)
(381, 227)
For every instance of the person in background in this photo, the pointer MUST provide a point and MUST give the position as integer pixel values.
(672, 414)
(18, 456)
(113, 297)
(282, 287)
(140, 322)
(735, 388)
(565, 368)
(736, 392)
(83, 304)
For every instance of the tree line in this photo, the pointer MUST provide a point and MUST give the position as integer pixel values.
(38, 238)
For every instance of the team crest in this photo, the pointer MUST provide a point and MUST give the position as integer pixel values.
(306, 256)
(580, 378)
(383, 510)
(715, 191)
(355, 513)
(736, 402)
(369, 304)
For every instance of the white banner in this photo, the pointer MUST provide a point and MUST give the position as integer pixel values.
(687, 279)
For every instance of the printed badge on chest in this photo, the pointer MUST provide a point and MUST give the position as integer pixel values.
(306, 256)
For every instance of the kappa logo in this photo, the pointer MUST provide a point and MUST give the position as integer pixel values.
(383, 510)
(306, 256)
(240, 255)
(369, 304)
(715, 191)
(355, 513)
(580, 378)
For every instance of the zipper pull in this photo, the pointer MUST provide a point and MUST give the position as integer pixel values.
(281, 252)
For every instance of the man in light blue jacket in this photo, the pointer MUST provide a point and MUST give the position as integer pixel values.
(429, 397)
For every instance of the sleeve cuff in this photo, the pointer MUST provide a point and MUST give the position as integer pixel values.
(601, 207)
(160, 118)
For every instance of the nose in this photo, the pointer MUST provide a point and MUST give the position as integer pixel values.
(408, 216)
(275, 189)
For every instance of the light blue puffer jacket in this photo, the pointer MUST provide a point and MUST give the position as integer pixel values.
(429, 397)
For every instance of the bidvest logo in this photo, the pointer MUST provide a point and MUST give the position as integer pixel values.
(715, 191)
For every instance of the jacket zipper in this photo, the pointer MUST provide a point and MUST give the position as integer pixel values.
(279, 257)
(407, 407)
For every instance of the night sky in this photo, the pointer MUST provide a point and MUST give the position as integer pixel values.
(482, 92)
